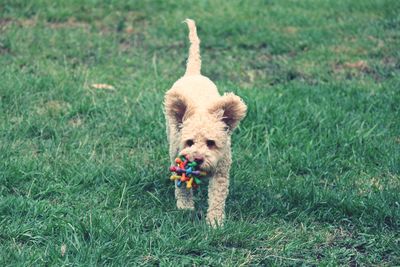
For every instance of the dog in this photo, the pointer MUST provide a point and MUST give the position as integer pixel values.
(200, 123)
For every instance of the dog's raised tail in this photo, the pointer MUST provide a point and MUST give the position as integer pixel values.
(193, 65)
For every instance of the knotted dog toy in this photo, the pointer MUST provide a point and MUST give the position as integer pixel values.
(186, 171)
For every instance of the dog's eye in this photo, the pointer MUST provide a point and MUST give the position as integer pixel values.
(210, 143)
(189, 142)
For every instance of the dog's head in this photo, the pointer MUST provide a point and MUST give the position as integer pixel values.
(204, 134)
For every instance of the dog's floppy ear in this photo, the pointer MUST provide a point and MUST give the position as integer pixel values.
(177, 107)
(230, 108)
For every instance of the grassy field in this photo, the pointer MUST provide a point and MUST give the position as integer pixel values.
(84, 171)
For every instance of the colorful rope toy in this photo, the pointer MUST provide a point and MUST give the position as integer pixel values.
(185, 172)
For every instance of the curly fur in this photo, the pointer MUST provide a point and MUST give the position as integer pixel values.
(195, 111)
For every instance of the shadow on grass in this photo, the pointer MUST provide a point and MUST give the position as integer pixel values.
(297, 204)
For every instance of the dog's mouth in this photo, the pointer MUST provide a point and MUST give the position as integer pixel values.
(203, 165)
(206, 168)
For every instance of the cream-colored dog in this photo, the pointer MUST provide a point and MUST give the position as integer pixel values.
(199, 124)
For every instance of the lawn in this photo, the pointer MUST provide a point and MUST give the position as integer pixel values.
(84, 170)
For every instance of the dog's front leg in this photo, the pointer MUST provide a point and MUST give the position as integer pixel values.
(217, 193)
(184, 197)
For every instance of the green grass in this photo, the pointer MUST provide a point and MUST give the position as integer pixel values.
(316, 174)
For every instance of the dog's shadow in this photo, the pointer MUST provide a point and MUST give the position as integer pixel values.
(201, 201)
(243, 203)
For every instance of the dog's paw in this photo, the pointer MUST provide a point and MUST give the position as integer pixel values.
(184, 205)
(215, 222)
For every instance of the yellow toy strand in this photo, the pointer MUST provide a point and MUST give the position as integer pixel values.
(174, 177)
(189, 183)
